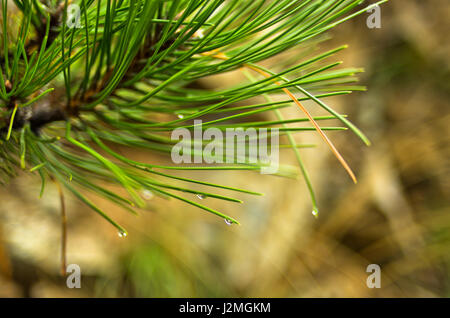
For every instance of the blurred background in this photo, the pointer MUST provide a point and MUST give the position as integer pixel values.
(397, 216)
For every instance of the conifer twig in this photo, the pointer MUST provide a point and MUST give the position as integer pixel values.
(63, 228)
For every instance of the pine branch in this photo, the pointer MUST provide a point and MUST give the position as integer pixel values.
(127, 78)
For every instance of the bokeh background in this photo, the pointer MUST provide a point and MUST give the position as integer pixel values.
(397, 216)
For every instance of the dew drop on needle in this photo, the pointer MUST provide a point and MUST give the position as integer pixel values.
(147, 194)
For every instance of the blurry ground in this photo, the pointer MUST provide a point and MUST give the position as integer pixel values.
(397, 216)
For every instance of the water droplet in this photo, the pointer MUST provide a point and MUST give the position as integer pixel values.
(122, 234)
(147, 194)
(315, 212)
(181, 116)
(201, 196)
(199, 34)
(228, 222)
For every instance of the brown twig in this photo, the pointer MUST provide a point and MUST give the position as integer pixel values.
(63, 229)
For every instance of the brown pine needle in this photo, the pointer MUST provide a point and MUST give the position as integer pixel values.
(336, 153)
